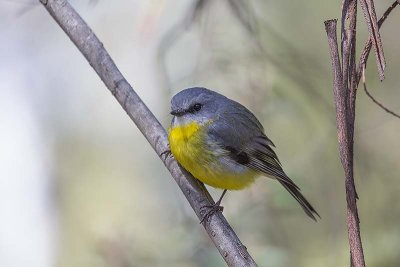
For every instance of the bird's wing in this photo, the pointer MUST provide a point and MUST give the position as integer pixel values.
(241, 135)
(243, 138)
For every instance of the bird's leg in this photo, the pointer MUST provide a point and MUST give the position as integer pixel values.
(216, 207)
(220, 199)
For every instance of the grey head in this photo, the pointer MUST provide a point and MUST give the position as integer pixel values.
(196, 104)
(201, 105)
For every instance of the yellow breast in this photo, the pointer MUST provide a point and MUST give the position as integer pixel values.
(186, 144)
(189, 146)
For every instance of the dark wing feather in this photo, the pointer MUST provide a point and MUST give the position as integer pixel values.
(266, 161)
(242, 136)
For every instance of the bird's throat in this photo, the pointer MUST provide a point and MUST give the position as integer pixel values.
(182, 133)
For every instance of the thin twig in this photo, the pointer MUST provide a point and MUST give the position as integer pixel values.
(367, 47)
(364, 58)
(220, 232)
(372, 23)
(376, 101)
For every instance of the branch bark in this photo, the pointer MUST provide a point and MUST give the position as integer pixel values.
(225, 239)
(345, 128)
(367, 47)
(372, 23)
(346, 78)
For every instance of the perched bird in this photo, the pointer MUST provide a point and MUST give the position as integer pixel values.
(222, 144)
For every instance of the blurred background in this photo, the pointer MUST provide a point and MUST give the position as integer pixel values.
(80, 186)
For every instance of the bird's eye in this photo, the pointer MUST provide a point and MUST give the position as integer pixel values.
(196, 107)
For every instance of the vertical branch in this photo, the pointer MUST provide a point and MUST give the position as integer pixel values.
(343, 81)
(349, 23)
(346, 78)
(330, 27)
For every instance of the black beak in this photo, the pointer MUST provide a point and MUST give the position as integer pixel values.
(177, 112)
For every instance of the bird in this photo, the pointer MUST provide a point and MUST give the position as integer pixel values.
(222, 144)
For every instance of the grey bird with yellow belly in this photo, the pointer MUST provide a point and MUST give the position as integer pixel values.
(222, 144)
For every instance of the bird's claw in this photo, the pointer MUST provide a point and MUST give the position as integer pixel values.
(212, 209)
(166, 153)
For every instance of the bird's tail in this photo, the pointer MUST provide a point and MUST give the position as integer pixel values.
(295, 192)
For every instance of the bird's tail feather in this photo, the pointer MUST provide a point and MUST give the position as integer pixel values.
(295, 192)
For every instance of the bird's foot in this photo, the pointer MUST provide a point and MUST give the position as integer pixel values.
(212, 209)
(166, 153)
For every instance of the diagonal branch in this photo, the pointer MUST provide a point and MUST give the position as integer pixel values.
(220, 232)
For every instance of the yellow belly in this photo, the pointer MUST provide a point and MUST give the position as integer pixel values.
(189, 146)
